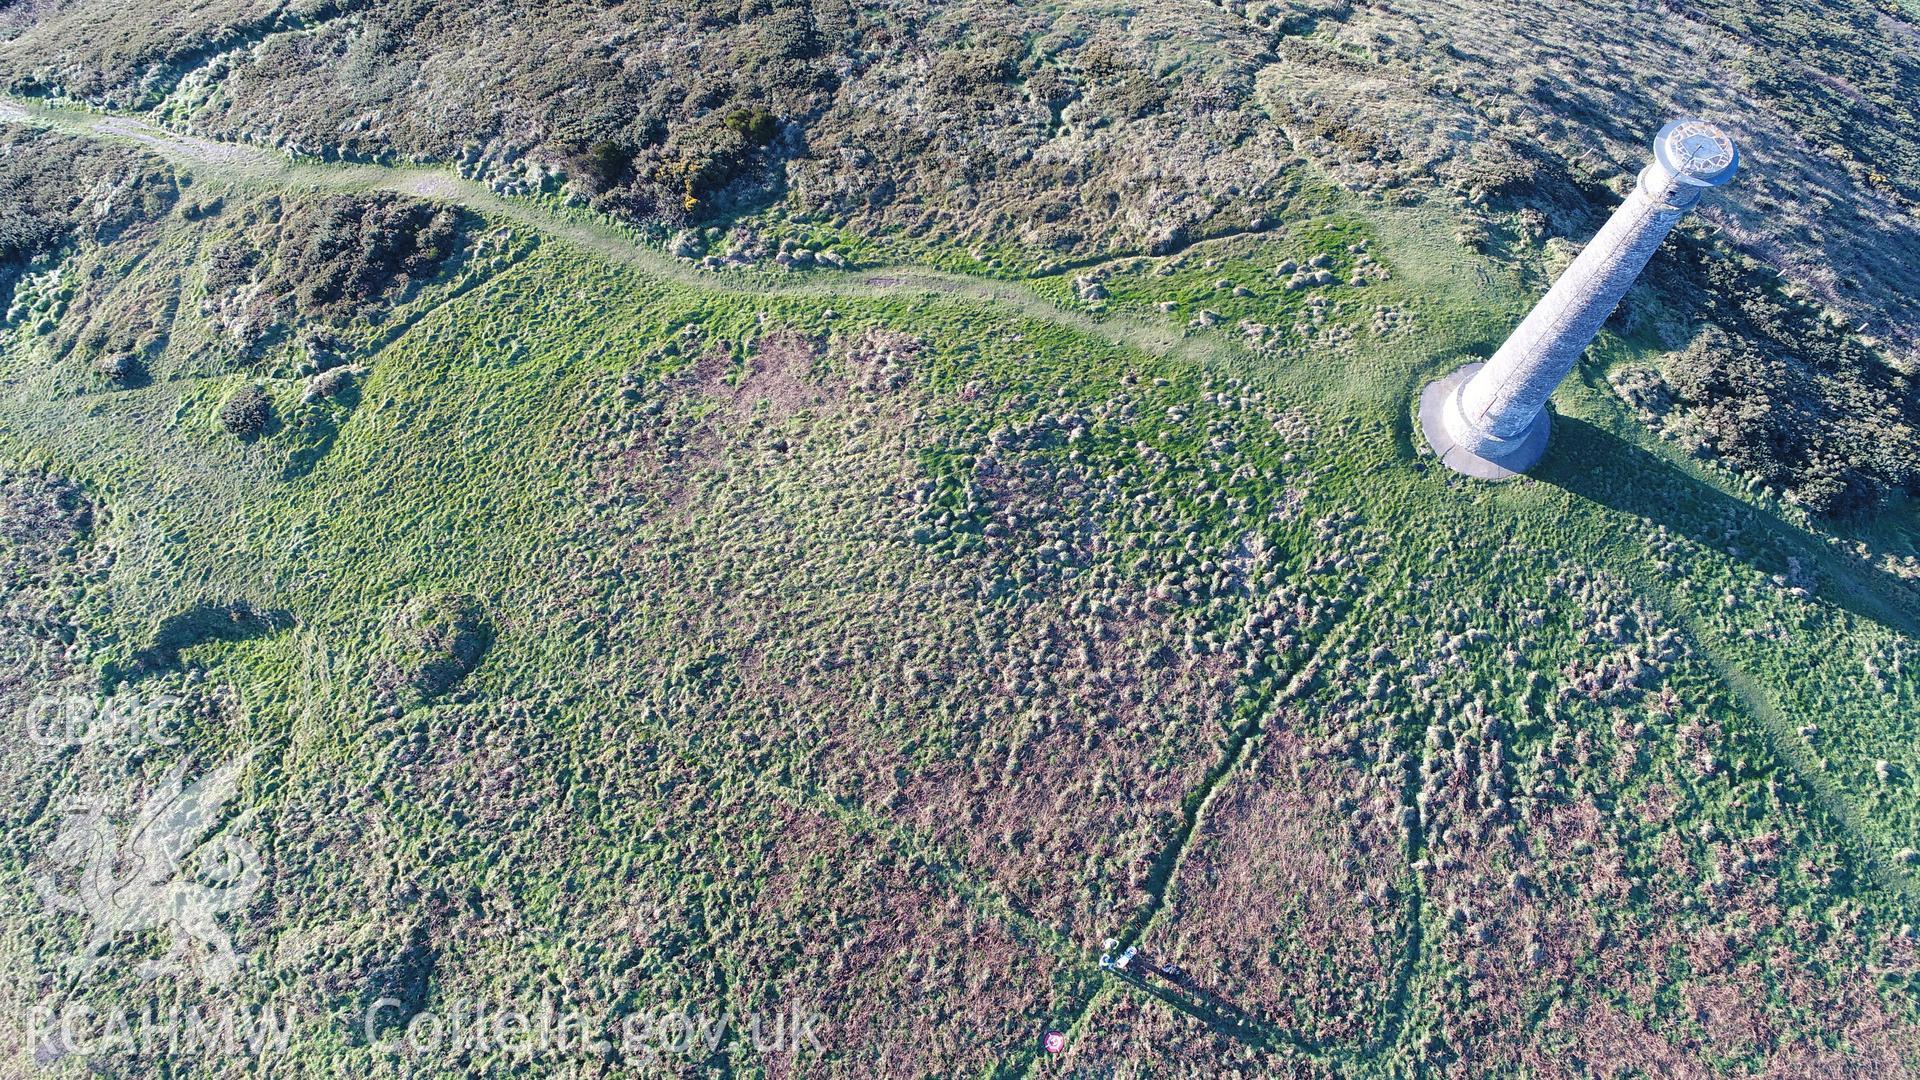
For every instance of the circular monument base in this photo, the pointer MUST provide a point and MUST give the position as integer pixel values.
(1450, 437)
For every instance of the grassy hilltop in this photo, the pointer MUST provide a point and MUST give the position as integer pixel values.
(792, 579)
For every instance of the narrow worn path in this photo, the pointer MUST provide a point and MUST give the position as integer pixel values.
(249, 166)
(1240, 746)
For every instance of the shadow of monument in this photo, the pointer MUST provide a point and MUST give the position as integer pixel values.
(1594, 464)
(1217, 1013)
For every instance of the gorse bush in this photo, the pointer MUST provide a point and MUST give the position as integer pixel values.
(757, 126)
(353, 251)
(329, 261)
(246, 413)
(24, 234)
(605, 164)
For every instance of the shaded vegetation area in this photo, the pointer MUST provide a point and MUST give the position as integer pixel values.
(52, 189)
(323, 264)
(1789, 397)
(204, 622)
(436, 642)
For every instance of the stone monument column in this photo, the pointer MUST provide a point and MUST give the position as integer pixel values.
(1490, 420)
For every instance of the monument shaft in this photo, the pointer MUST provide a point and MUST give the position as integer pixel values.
(1490, 420)
(1503, 398)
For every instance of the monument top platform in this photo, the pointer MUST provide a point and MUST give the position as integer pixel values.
(1696, 151)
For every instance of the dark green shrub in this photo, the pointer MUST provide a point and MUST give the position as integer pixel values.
(122, 369)
(605, 165)
(1051, 89)
(24, 234)
(756, 125)
(354, 251)
(246, 413)
(230, 265)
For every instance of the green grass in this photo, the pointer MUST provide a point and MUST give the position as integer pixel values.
(772, 715)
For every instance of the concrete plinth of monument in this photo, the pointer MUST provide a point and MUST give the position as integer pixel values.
(1453, 441)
